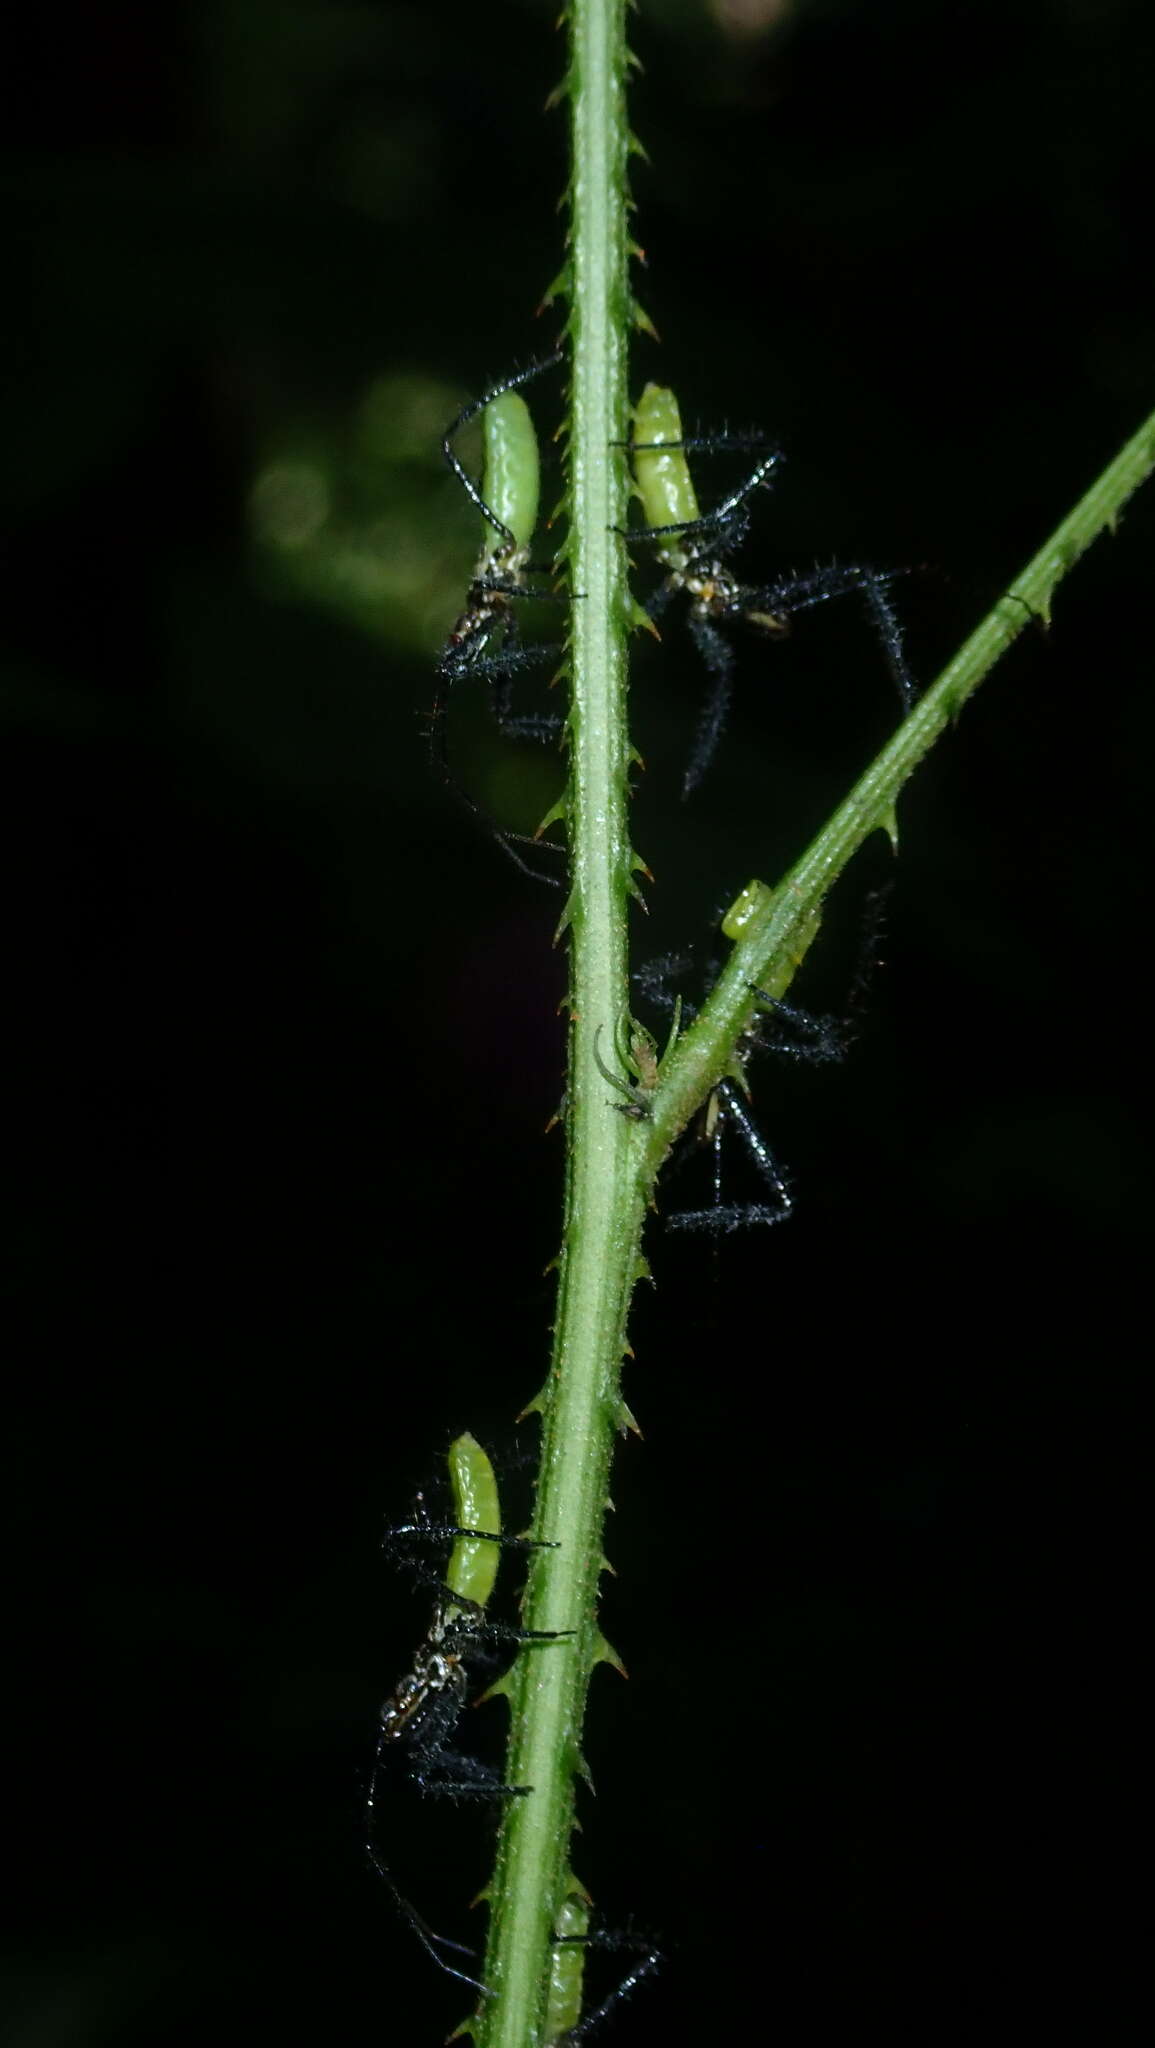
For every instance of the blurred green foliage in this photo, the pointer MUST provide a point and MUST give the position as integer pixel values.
(357, 513)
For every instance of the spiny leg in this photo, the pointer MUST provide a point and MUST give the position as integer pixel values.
(521, 725)
(800, 593)
(718, 661)
(725, 1217)
(715, 523)
(449, 1775)
(816, 1040)
(431, 1941)
(650, 1958)
(499, 670)
(512, 660)
(653, 979)
(759, 1152)
(443, 1532)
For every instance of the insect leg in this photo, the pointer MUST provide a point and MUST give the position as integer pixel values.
(817, 1039)
(519, 725)
(448, 1775)
(461, 664)
(649, 1960)
(708, 524)
(430, 1941)
(718, 659)
(725, 1217)
(800, 593)
(663, 478)
(654, 977)
(438, 1532)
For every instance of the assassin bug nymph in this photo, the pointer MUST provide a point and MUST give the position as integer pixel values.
(693, 547)
(775, 1027)
(484, 641)
(724, 1109)
(421, 1712)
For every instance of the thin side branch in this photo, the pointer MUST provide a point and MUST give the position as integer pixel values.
(773, 928)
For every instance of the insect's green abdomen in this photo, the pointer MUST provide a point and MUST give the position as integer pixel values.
(566, 1970)
(473, 1564)
(510, 484)
(662, 474)
(753, 898)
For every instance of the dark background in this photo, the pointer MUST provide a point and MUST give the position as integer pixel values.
(284, 1034)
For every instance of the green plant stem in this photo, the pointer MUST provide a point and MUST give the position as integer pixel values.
(580, 1404)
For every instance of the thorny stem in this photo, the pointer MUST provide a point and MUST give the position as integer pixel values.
(580, 1405)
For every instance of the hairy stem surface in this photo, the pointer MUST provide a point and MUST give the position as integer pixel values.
(580, 1404)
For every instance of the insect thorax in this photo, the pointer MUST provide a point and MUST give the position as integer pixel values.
(438, 1670)
(711, 587)
(496, 579)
